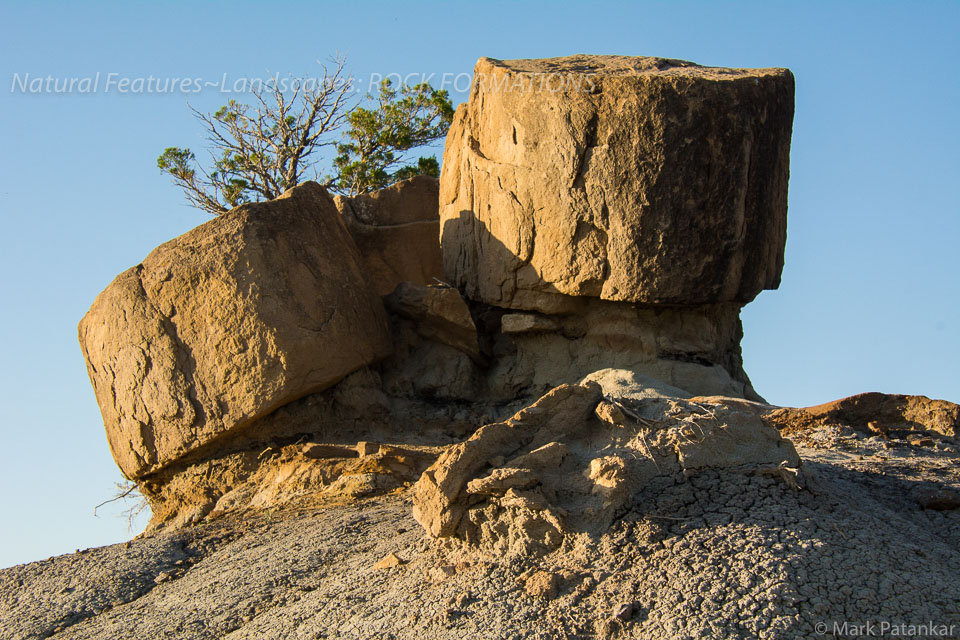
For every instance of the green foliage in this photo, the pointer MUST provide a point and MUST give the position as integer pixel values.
(426, 166)
(259, 151)
(221, 187)
(378, 138)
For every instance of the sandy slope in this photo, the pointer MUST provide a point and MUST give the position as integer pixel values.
(716, 555)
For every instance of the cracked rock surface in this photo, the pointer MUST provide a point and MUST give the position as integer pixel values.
(397, 230)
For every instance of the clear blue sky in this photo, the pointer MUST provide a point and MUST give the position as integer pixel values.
(870, 298)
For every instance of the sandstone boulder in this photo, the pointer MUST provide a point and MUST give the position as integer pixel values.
(577, 457)
(397, 230)
(222, 325)
(633, 179)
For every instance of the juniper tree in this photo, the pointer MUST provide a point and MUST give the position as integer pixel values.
(259, 151)
(403, 119)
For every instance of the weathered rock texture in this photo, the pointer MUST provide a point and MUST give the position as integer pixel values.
(722, 555)
(355, 437)
(439, 313)
(696, 349)
(216, 328)
(634, 179)
(436, 355)
(397, 231)
(574, 460)
(304, 472)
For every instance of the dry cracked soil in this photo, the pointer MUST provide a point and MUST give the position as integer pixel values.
(867, 545)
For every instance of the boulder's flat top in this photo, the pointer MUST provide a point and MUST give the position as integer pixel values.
(624, 66)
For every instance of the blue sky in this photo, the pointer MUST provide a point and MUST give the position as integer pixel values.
(870, 298)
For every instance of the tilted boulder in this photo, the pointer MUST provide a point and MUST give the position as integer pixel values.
(397, 230)
(631, 179)
(578, 457)
(222, 325)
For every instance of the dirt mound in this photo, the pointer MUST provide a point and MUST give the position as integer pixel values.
(874, 413)
(718, 555)
(574, 461)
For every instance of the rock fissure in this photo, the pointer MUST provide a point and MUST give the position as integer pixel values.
(590, 141)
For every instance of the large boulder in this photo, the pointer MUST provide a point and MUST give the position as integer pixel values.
(633, 179)
(222, 325)
(397, 230)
